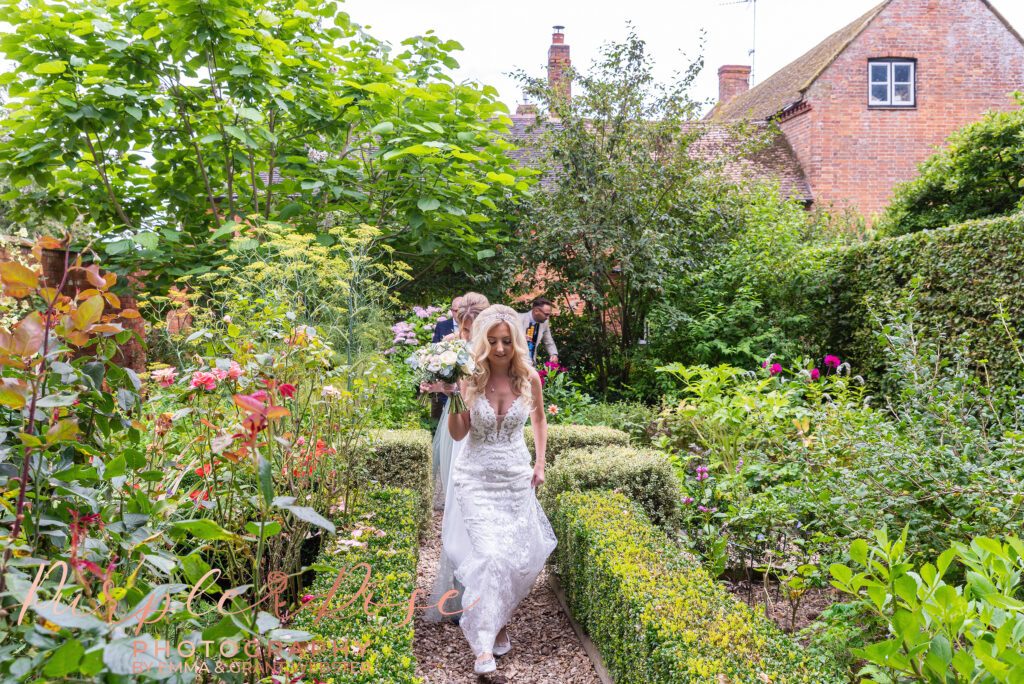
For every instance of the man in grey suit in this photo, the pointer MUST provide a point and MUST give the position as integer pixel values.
(536, 325)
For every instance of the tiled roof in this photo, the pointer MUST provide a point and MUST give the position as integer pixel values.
(787, 85)
(775, 162)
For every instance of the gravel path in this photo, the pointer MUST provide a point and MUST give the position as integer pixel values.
(544, 647)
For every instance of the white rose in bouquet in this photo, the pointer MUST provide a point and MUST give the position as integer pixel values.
(449, 358)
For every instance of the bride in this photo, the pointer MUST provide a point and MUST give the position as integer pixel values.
(446, 448)
(495, 537)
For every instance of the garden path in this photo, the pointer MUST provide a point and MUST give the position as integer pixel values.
(545, 649)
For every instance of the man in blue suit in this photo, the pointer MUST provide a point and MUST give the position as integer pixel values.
(444, 327)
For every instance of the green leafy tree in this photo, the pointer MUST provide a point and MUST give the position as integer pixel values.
(979, 173)
(166, 122)
(632, 206)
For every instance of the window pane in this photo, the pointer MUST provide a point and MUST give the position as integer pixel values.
(879, 73)
(880, 94)
(901, 93)
(901, 73)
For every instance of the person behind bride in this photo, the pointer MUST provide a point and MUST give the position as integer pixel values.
(466, 310)
(495, 536)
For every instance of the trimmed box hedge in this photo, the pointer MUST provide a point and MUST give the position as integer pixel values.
(644, 475)
(405, 459)
(562, 438)
(388, 657)
(657, 616)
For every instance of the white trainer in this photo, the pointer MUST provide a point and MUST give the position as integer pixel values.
(484, 666)
(501, 649)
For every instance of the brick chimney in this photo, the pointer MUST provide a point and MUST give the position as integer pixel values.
(558, 64)
(733, 79)
(526, 109)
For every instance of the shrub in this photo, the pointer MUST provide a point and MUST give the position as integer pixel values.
(561, 438)
(404, 458)
(392, 559)
(632, 417)
(979, 173)
(939, 631)
(644, 475)
(657, 616)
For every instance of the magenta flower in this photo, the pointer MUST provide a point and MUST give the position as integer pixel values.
(815, 374)
(776, 368)
(687, 500)
(764, 365)
(832, 361)
(287, 390)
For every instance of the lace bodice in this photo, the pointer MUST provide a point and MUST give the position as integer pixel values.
(488, 427)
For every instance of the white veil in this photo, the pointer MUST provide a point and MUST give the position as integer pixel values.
(454, 537)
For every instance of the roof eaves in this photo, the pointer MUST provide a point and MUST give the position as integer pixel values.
(1007, 24)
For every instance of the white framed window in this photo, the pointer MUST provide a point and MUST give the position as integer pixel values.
(892, 83)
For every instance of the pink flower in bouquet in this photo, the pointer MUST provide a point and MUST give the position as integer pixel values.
(165, 376)
(207, 381)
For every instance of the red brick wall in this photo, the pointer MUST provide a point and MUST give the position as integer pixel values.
(967, 64)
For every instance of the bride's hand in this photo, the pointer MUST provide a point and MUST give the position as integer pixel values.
(538, 478)
(434, 387)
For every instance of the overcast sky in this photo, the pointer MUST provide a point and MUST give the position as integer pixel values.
(499, 37)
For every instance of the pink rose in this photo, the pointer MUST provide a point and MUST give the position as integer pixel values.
(207, 381)
(165, 376)
(235, 371)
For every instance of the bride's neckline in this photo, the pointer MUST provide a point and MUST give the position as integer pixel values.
(501, 415)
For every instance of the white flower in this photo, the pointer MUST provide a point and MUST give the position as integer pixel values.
(330, 391)
(449, 358)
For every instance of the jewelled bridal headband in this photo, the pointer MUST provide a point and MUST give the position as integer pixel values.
(486, 323)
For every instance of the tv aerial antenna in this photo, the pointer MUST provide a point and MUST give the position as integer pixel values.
(753, 37)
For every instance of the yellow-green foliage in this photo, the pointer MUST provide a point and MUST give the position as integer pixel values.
(388, 655)
(338, 279)
(644, 475)
(405, 458)
(561, 438)
(657, 616)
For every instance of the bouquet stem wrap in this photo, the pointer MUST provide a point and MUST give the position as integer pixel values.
(456, 405)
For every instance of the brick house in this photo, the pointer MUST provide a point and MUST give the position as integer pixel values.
(865, 106)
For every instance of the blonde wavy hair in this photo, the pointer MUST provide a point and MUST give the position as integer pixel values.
(470, 307)
(519, 370)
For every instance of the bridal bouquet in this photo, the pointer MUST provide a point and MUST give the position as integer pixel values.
(445, 361)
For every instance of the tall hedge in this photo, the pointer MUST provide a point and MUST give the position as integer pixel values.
(405, 459)
(964, 269)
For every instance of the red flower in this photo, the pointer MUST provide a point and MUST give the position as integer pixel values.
(197, 493)
(286, 390)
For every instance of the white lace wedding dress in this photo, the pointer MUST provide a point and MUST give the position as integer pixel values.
(495, 536)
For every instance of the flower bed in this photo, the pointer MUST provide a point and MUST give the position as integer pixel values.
(352, 646)
(656, 616)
